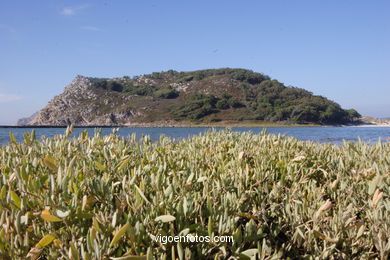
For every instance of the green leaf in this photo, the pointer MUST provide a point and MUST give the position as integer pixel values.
(141, 194)
(51, 163)
(45, 241)
(100, 166)
(119, 234)
(210, 226)
(149, 254)
(3, 192)
(123, 163)
(74, 252)
(12, 138)
(15, 199)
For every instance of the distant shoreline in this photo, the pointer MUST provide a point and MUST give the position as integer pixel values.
(370, 125)
(192, 125)
(161, 126)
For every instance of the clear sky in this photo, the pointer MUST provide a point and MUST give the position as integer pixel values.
(338, 49)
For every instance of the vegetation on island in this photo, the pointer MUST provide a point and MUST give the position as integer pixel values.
(227, 94)
(95, 197)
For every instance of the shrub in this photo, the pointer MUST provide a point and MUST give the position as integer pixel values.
(167, 93)
(185, 79)
(222, 104)
(197, 106)
(115, 86)
(107, 84)
(104, 197)
(353, 115)
(141, 90)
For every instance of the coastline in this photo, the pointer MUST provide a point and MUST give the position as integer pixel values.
(370, 125)
(365, 122)
(168, 125)
(228, 125)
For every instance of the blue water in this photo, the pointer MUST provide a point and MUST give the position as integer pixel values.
(334, 135)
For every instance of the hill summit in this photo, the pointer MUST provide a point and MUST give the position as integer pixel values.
(171, 97)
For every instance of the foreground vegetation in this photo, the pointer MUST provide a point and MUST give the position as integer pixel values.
(107, 197)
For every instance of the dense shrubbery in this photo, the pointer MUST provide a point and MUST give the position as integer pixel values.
(166, 92)
(227, 101)
(272, 101)
(243, 75)
(101, 197)
(108, 84)
(185, 79)
(198, 106)
(201, 105)
(267, 99)
(141, 90)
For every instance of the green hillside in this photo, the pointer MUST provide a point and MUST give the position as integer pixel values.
(230, 94)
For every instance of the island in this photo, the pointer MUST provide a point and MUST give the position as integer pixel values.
(172, 98)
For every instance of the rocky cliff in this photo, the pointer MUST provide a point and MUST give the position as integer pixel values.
(173, 97)
(83, 104)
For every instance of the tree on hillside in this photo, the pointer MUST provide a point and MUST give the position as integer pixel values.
(353, 115)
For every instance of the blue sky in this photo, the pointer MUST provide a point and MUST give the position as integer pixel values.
(338, 49)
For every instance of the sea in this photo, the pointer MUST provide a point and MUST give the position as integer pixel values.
(335, 135)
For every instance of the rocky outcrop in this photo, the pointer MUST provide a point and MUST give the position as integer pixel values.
(26, 120)
(81, 104)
